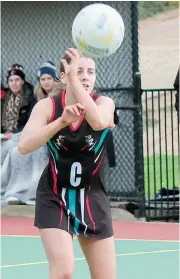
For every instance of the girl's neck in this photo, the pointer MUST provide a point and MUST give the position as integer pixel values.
(70, 99)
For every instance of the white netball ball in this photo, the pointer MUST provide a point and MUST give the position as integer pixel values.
(98, 30)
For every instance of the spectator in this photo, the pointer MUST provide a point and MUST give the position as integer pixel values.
(3, 91)
(176, 87)
(48, 81)
(16, 106)
(29, 167)
(19, 174)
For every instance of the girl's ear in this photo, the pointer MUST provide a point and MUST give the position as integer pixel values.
(63, 78)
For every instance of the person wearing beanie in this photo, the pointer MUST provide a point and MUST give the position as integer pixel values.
(48, 68)
(16, 106)
(16, 70)
(48, 81)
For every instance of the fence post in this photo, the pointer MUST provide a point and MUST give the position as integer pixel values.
(138, 146)
(135, 37)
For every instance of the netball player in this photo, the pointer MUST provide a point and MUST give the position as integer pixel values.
(70, 197)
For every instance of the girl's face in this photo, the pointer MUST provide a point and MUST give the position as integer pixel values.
(47, 82)
(15, 84)
(86, 73)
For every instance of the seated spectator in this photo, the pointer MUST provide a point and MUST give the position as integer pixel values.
(48, 81)
(21, 173)
(3, 91)
(16, 106)
(176, 87)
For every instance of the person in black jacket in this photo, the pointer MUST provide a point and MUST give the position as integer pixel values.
(17, 104)
(176, 87)
(19, 174)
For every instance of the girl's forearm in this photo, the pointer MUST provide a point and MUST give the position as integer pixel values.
(34, 139)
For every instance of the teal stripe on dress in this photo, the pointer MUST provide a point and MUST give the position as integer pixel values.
(72, 208)
(54, 150)
(101, 140)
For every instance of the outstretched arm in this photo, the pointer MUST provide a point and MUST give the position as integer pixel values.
(38, 130)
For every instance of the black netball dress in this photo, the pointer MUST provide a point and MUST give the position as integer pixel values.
(70, 195)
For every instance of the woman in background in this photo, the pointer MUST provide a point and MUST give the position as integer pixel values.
(48, 82)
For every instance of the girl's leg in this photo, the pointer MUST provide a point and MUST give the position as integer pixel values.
(59, 250)
(101, 257)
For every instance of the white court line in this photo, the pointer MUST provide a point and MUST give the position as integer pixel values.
(116, 238)
(82, 259)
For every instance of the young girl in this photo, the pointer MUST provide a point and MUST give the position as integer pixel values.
(70, 197)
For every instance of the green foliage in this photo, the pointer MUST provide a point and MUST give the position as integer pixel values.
(173, 4)
(151, 8)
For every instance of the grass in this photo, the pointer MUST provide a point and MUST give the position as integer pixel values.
(164, 174)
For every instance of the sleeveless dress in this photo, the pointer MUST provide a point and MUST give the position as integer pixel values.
(70, 195)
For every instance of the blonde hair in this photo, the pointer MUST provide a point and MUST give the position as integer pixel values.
(40, 93)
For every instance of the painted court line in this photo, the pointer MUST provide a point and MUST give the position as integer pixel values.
(82, 259)
(148, 240)
(23, 236)
(116, 238)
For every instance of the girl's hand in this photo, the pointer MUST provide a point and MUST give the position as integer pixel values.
(72, 68)
(73, 113)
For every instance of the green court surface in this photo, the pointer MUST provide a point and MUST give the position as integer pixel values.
(23, 257)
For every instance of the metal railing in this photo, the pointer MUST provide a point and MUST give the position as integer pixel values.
(161, 150)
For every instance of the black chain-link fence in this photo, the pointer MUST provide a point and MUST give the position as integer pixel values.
(120, 180)
(34, 32)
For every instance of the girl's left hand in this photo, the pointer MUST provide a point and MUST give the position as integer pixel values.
(72, 68)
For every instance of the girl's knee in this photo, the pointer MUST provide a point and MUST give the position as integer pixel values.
(57, 271)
